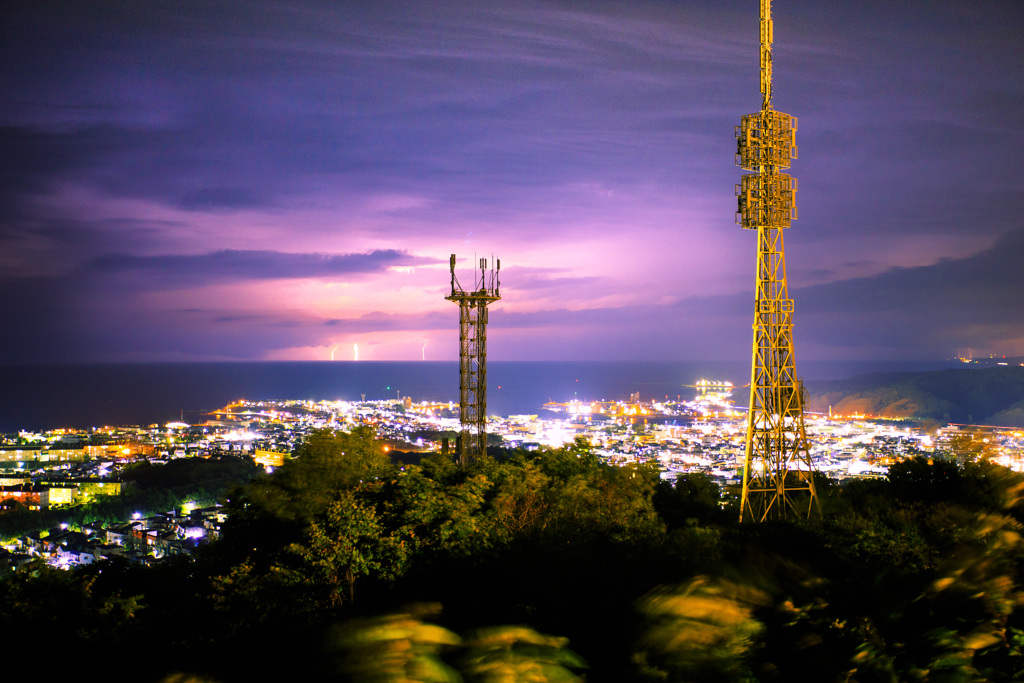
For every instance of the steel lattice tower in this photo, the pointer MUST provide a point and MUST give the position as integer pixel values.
(473, 357)
(777, 471)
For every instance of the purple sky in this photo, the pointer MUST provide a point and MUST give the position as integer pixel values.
(219, 180)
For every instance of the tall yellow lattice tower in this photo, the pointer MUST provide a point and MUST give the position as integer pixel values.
(777, 472)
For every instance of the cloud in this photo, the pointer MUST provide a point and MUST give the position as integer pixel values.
(921, 313)
(233, 264)
(221, 198)
(551, 281)
(214, 146)
(911, 313)
(391, 322)
(255, 107)
(929, 310)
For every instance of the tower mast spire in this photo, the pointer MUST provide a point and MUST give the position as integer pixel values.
(777, 471)
(766, 54)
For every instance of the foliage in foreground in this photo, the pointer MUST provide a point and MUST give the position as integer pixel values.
(344, 566)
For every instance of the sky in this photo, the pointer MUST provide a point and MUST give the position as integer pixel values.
(211, 180)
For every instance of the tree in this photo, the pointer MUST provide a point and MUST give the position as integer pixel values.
(692, 496)
(926, 480)
(328, 460)
(274, 510)
(348, 541)
(520, 505)
(434, 515)
(605, 502)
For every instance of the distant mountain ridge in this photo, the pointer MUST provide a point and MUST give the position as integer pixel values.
(990, 396)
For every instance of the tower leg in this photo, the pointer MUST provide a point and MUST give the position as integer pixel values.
(473, 379)
(481, 381)
(777, 471)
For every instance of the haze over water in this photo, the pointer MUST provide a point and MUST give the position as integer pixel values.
(81, 396)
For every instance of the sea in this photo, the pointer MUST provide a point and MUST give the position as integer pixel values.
(34, 398)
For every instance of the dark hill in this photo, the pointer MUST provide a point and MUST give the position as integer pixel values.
(993, 396)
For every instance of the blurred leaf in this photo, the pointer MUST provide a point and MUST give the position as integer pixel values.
(395, 648)
(511, 654)
(700, 631)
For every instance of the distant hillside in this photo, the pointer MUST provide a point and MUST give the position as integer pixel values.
(993, 396)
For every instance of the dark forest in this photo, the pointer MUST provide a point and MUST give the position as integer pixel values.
(554, 566)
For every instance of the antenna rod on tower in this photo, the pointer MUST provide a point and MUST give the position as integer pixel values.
(766, 54)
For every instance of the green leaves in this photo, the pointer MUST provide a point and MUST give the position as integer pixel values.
(520, 505)
(274, 511)
(348, 541)
(437, 516)
(65, 606)
(912, 578)
(329, 460)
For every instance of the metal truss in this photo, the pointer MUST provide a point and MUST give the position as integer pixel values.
(473, 357)
(777, 471)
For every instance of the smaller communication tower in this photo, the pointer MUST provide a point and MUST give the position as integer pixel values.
(473, 356)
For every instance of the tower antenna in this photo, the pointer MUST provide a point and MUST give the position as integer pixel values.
(778, 478)
(473, 356)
